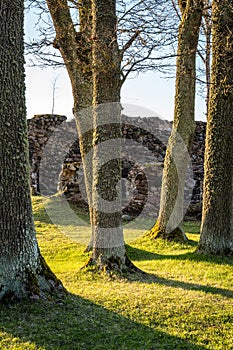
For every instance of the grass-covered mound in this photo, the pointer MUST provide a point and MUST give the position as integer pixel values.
(185, 301)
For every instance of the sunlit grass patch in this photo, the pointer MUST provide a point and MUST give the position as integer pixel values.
(183, 301)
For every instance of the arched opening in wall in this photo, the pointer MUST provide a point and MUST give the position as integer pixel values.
(134, 190)
(150, 133)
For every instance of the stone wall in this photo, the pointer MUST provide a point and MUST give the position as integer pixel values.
(40, 128)
(56, 162)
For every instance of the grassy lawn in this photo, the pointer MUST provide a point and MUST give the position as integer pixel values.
(185, 301)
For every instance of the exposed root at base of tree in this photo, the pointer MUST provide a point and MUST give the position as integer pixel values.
(42, 284)
(112, 266)
(176, 235)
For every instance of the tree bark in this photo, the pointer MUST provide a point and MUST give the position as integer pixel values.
(207, 28)
(93, 61)
(217, 215)
(23, 271)
(108, 245)
(75, 48)
(180, 141)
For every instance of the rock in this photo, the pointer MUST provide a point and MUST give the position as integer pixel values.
(126, 217)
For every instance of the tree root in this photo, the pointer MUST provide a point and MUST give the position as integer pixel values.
(32, 285)
(112, 266)
(176, 235)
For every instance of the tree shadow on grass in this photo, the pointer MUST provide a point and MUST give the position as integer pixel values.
(78, 324)
(136, 254)
(152, 278)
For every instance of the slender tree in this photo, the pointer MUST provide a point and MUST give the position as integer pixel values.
(23, 271)
(207, 25)
(76, 51)
(180, 141)
(217, 215)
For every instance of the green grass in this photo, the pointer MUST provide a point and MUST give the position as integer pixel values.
(183, 302)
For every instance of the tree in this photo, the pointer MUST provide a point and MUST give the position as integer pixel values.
(108, 243)
(23, 271)
(207, 25)
(54, 88)
(217, 215)
(74, 41)
(76, 51)
(93, 59)
(180, 141)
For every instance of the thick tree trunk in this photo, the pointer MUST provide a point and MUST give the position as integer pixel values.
(108, 246)
(217, 216)
(180, 141)
(23, 272)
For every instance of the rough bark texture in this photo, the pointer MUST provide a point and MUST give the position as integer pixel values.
(180, 141)
(108, 246)
(207, 31)
(217, 217)
(92, 59)
(75, 48)
(23, 272)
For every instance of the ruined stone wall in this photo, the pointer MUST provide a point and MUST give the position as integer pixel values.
(40, 128)
(56, 161)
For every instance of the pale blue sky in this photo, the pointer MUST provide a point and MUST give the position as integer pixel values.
(148, 90)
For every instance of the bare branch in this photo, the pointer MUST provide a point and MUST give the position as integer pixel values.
(176, 10)
(129, 43)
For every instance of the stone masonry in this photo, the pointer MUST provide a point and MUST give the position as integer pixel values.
(56, 162)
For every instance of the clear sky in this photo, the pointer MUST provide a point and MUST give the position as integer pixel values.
(149, 90)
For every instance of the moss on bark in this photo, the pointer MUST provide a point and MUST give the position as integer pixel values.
(179, 145)
(22, 270)
(176, 235)
(112, 265)
(217, 215)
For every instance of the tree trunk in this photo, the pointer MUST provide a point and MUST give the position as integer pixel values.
(75, 48)
(109, 252)
(217, 215)
(207, 29)
(92, 59)
(23, 272)
(180, 141)
(82, 112)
